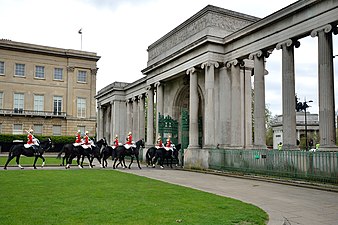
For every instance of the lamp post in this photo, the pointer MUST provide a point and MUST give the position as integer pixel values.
(305, 106)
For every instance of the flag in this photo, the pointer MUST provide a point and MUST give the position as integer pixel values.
(80, 31)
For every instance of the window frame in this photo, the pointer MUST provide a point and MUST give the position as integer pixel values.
(81, 107)
(39, 104)
(17, 131)
(39, 72)
(16, 70)
(54, 75)
(57, 109)
(2, 68)
(18, 102)
(54, 130)
(82, 76)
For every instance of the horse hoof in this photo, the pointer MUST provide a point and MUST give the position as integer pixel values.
(161, 167)
(5, 168)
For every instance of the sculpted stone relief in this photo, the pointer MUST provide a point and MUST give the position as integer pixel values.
(224, 22)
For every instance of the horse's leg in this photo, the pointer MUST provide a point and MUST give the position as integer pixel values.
(138, 162)
(115, 159)
(35, 159)
(81, 165)
(131, 161)
(18, 162)
(155, 160)
(10, 157)
(43, 161)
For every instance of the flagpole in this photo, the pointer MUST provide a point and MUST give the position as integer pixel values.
(80, 32)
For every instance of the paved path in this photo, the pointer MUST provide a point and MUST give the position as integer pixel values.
(297, 205)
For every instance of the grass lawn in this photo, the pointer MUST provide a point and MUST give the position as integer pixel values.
(92, 196)
(28, 161)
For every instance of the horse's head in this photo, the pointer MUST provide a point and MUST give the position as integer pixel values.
(47, 144)
(140, 143)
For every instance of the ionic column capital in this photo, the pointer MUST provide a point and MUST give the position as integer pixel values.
(157, 84)
(257, 54)
(94, 71)
(327, 28)
(70, 68)
(210, 63)
(148, 88)
(128, 100)
(286, 43)
(134, 99)
(141, 96)
(191, 71)
(234, 62)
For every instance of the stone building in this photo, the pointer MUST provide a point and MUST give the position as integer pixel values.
(200, 75)
(311, 127)
(50, 90)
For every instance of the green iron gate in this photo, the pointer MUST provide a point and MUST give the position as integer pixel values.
(167, 126)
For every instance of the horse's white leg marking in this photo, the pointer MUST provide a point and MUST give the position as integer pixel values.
(79, 166)
(20, 166)
(43, 164)
(162, 167)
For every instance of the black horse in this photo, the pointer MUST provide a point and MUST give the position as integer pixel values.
(72, 151)
(153, 154)
(121, 152)
(19, 149)
(105, 154)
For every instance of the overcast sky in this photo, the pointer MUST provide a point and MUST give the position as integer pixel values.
(120, 31)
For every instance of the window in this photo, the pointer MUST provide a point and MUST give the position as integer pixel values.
(18, 102)
(2, 68)
(81, 107)
(58, 73)
(38, 103)
(19, 69)
(1, 99)
(81, 76)
(38, 129)
(56, 130)
(57, 105)
(81, 129)
(17, 129)
(39, 71)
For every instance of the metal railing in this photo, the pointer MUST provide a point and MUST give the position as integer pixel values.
(314, 166)
(21, 112)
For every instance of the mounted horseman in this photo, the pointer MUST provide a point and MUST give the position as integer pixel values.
(33, 148)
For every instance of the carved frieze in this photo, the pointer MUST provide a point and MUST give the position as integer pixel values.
(210, 19)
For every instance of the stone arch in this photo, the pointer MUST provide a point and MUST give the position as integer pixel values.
(181, 100)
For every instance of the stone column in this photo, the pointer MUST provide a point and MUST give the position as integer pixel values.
(193, 108)
(99, 122)
(236, 111)
(247, 107)
(112, 125)
(224, 106)
(259, 100)
(327, 130)
(129, 117)
(141, 116)
(135, 119)
(209, 131)
(288, 94)
(159, 103)
(150, 116)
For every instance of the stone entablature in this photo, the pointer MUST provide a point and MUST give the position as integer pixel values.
(224, 21)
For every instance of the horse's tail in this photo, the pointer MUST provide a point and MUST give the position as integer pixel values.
(60, 153)
(147, 157)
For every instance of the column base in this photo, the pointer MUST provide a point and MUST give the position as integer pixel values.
(196, 158)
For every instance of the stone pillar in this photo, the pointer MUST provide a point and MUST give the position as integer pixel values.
(259, 100)
(150, 116)
(224, 106)
(70, 90)
(99, 122)
(209, 131)
(327, 130)
(193, 108)
(129, 117)
(236, 111)
(247, 107)
(135, 119)
(159, 103)
(141, 116)
(112, 125)
(288, 94)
